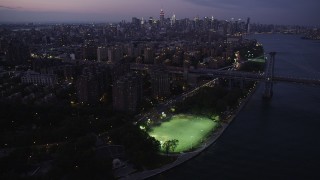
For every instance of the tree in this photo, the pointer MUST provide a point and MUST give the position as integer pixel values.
(170, 145)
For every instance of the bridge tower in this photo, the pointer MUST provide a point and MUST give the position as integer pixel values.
(269, 72)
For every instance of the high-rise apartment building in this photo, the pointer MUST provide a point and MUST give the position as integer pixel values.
(115, 54)
(127, 93)
(160, 82)
(89, 52)
(87, 89)
(148, 55)
(18, 53)
(102, 54)
(92, 84)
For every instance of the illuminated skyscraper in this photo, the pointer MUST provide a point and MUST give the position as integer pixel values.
(161, 17)
(173, 19)
(150, 21)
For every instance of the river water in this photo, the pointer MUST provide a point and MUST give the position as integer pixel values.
(276, 139)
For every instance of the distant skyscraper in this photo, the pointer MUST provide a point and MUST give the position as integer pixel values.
(142, 22)
(173, 19)
(150, 20)
(248, 25)
(135, 21)
(161, 17)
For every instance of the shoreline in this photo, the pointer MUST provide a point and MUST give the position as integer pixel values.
(184, 157)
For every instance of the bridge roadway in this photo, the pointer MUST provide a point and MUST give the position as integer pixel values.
(229, 74)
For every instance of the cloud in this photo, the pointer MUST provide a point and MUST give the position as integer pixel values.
(8, 7)
(265, 4)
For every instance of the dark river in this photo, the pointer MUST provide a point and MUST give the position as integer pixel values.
(277, 139)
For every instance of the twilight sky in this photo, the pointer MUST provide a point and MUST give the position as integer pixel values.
(302, 12)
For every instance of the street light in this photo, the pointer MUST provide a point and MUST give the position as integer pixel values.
(191, 142)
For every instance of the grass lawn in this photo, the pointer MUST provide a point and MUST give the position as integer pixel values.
(190, 130)
(258, 59)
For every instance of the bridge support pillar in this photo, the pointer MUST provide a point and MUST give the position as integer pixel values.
(268, 91)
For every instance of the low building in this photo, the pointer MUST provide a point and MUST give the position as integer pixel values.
(37, 78)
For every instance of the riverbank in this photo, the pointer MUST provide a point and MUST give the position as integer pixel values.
(184, 157)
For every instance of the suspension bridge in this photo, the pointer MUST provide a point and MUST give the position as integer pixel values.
(268, 76)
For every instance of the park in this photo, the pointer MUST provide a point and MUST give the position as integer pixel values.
(190, 130)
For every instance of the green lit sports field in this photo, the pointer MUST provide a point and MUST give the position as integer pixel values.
(190, 130)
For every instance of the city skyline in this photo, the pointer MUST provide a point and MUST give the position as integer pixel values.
(291, 12)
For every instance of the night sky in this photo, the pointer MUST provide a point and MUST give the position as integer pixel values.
(300, 12)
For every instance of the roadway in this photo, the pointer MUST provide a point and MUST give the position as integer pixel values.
(162, 107)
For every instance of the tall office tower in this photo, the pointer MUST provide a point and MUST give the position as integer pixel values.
(135, 21)
(236, 26)
(226, 28)
(173, 19)
(160, 82)
(102, 54)
(161, 17)
(17, 53)
(142, 21)
(248, 25)
(150, 21)
(148, 55)
(127, 93)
